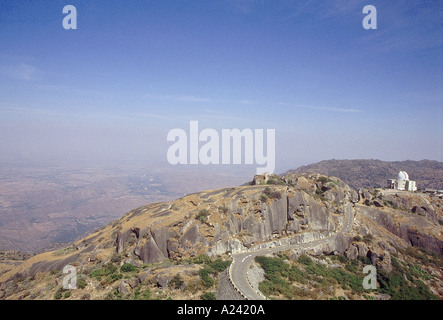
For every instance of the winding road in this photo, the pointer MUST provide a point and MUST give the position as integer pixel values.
(242, 260)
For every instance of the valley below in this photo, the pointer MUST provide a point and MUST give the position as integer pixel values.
(43, 207)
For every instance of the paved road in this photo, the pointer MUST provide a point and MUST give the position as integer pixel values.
(242, 260)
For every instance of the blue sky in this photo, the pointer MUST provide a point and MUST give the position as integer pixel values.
(133, 70)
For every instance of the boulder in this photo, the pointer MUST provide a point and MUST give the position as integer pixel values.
(123, 287)
(144, 275)
(161, 237)
(150, 252)
(352, 252)
(232, 245)
(362, 249)
(121, 239)
(337, 244)
(133, 282)
(364, 194)
(277, 215)
(378, 203)
(134, 261)
(163, 279)
(191, 237)
(424, 240)
(382, 296)
(260, 179)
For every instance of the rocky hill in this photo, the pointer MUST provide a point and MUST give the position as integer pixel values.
(182, 249)
(375, 173)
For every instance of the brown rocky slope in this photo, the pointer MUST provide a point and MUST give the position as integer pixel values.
(178, 249)
(368, 173)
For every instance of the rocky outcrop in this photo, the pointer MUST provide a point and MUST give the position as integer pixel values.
(242, 217)
(337, 244)
(294, 210)
(365, 173)
(149, 252)
(351, 253)
(416, 230)
(239, 218)
(421, 239)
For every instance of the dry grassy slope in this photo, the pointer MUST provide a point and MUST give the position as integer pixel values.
(232, 211)
(232, 219)
(156, 215)
(416, 218)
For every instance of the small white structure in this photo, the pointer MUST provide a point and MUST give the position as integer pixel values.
(402, 182)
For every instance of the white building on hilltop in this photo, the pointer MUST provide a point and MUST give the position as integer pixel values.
(402, 182)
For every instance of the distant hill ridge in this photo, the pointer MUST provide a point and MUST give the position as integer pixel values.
(366, 173)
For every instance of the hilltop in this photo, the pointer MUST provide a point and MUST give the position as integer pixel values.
(365, 173)
(183, 249)
(46, 206)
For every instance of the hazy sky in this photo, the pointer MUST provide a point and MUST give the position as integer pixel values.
(133, 70)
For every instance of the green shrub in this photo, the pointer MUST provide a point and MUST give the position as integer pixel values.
(273, 265)
(202, 259)
(205, 276)
(114, 295)
(317, 269)
(297, 275)
(219, 265)
(211, 269)
(208, 296)
(202, 215)
(365, 260)
(398, 288)
(81, 283)
(58, 295)
(107, 269)
(425, 256)
(277, 272)
(146, 294)
(106, 274)
(304, 259)
(275, 285)
(127, 267)
(404, 282)
(352, 265)
(114, 277)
